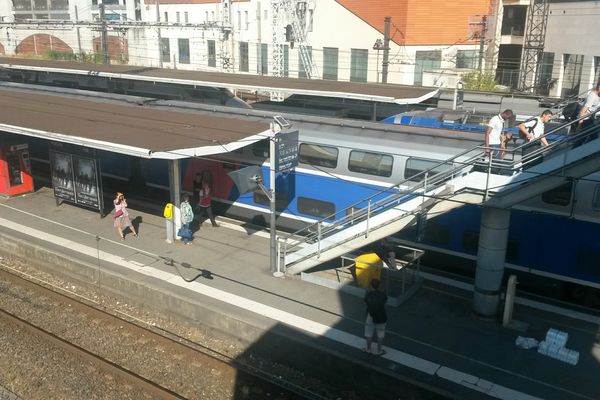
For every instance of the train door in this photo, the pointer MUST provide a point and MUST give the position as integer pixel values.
(15, 170)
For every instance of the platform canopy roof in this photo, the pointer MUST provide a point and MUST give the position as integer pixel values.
(122, 127)
(377, 92)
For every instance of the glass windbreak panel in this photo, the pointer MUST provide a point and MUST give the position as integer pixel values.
(261, 149)
(212, 54)
(415, 166)
(316, 208)
(426, 61)
(560, 196)
(370, 163)
(330, 63)
(359, 62)
(14, 170)
(322, 156)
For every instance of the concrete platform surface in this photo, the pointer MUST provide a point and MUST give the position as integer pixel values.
(432, 338)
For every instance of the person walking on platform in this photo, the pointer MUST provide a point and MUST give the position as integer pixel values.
(495, 137)
(187, 216)
(203, 194)
(376, 317)
(121, 216)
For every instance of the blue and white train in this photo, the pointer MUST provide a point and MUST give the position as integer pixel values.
(553, 241)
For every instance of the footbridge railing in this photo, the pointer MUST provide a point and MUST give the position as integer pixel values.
(409, 198)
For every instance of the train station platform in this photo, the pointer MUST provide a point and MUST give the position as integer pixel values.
(223, 281)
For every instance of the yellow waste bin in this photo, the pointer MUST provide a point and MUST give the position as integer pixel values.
(368, 267)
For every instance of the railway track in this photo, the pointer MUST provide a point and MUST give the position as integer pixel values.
(158, 364)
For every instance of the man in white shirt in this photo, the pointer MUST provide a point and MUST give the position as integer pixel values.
(532, 130)
(591, 106)
(494, 135)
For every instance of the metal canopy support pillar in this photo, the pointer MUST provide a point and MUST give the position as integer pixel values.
(175, 197)
(272, 204)
(493, 237)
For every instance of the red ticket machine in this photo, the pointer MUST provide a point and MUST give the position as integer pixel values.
(15, 170)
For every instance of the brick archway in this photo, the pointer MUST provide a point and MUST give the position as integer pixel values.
(41, 43)
(118, 48)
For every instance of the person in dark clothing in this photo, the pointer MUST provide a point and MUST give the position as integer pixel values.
(202, 195)
(376, 317)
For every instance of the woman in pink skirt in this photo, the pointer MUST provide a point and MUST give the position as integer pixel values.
(121, 216)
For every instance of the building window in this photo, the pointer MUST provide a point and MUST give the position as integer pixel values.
(467, 59)
(246, 21)
(184, 51)
(186, 17)
(572, 74)
(244, 67)
(415, 166)
(560, 196)
(286, 60)
(165, 50)
(322, 156)
(596, 199)
(359, 61)
(264, 58)
(212, 15)
(177, 17)
(425, 61)
(212, 54)
(330, 63)
(316, 208)
(546, 69)
(301, 69)
(206, 16)
(266, 14)
(370, 163)
(310, 20)
(239, 24)
(166, 18)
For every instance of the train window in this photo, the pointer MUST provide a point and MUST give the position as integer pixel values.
(322, 156)
(437, 233)
(281, 199)
(470, 241)
(560, 196)
(596, 199)
(587, 261)
(261, 149)
(415, 166)
(512, 250)
(316, 208)
(370, 163)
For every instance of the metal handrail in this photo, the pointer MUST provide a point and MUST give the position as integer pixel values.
(396, 196)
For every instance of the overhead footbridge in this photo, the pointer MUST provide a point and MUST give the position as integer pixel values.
(471, 177)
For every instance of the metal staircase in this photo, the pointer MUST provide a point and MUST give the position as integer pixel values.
(470, 177)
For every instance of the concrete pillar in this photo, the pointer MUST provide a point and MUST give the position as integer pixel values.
(175, 197)
(493, 237)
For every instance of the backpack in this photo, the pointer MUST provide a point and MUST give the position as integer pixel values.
(168, 211)
(529, 128)
(571, 110)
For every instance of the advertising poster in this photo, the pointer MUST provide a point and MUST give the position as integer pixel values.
(86, 182)
(62, 176)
